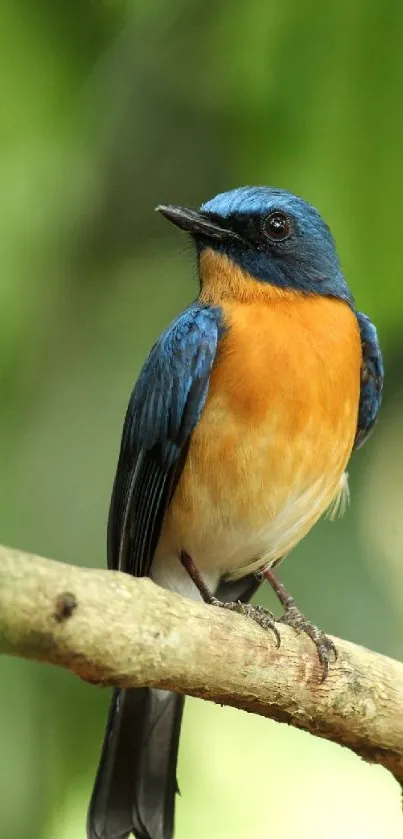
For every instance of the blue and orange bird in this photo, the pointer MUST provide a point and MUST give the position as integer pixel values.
(236, 440)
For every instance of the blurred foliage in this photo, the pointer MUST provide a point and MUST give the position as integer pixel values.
(107, 109)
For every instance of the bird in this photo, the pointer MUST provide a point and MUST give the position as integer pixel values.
(236, 440)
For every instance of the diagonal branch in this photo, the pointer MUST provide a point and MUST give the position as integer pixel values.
(112, 629)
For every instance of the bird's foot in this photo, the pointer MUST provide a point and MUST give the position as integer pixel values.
(263, 617)
(327, 652)
(259, 614)
(294, 618)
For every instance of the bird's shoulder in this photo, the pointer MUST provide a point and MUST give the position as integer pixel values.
(170, 391)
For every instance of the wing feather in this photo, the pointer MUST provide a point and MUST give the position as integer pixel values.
(164, 408)
(371, 380)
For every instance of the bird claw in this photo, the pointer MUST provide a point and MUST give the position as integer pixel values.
(292, 617)
(263, 617)
(326, 649)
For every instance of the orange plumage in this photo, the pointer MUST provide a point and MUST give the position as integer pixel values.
(269, 453)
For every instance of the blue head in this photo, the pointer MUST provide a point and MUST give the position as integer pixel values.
(272, 235)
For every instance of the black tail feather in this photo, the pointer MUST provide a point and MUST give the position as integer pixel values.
(136, 784)
(136, 781)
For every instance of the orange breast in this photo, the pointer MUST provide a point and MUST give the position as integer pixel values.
(269, 453)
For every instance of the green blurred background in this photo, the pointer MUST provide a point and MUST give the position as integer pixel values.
(109, 108)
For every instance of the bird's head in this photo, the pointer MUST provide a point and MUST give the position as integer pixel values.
(271, 235)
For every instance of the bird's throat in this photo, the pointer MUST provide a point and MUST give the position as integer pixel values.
(222, 279)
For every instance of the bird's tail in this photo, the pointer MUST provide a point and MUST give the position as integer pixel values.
(136, 781)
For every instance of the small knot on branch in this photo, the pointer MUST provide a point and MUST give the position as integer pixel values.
(65, 605)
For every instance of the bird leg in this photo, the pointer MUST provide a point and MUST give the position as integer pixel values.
(196, 577)
(294, 618)
(259, 614)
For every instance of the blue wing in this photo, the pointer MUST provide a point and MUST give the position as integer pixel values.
(371, 380)
(164, 408)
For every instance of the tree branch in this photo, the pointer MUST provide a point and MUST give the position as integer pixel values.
(112, 629)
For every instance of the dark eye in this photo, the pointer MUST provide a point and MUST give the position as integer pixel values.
(277, 226)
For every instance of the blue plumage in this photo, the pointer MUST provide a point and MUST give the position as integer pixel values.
(170, 393)
(371, 379)
(164, 408)
(306, 261)
(256, 200)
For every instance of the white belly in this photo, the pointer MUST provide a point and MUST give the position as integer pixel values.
(230, 550)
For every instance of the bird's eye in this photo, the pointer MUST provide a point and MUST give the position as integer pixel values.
(277, 226)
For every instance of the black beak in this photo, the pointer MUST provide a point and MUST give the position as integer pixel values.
(196, 222)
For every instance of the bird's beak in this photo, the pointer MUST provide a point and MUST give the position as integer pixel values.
(196, 222)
